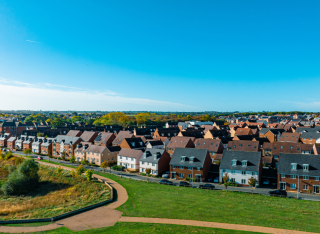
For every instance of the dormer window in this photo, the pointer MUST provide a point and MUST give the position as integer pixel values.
(191, 159)
(133, 144)
(306, 167)
(293, 166)
(244, 163)
(234, 162)
(183, 158)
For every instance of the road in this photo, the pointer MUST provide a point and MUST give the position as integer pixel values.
(136, 176)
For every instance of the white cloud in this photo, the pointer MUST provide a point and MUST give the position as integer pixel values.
(33, 41)
(25, 96)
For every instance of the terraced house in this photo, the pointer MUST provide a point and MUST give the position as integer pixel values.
(4, 138)
(129, 159)
(46, 146)
(27, 144)
(155, 159)
(299, 172)
(65, 144)
(190, 163)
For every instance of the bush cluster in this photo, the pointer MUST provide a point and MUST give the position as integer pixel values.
(23, 179)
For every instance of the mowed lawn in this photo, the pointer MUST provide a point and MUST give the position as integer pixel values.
(142, 228)
(163, 201)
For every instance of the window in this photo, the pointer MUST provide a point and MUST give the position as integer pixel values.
(243, 181)
(293, 176)
(233, 180)
(198, 168)
(293, 186)
(293, 166)
(306, 167)
(181, 167)
(131, 159)
(141, 162)
(283, 176)
(153, 164)
(305, 187)
(244, 163)
(120, 157)
(244, 172)
(234, 146)
(316, 178)
(234, 162)
(132, 166)
(281, 147)
(189, 176)
(223, 170)
(181, 175)
(253, 173)
(233, 172)
(190, 168)
(305, 177)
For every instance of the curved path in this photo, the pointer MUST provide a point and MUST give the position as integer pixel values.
(96, 218)
(106, 216)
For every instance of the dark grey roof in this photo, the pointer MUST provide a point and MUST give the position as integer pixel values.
(114, 148)
(253, 160)
(38, 141)
(67, 139)
(285, 161)
(300, 130)
(154, 143)
(308, 135)
(152, 155)
(47, 141)
(273, 130)
(198, 154)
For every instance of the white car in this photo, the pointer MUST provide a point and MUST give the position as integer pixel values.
(166, 175)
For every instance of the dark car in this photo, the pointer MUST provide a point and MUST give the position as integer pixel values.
(206, 186)
(281, 193)
(167, 182)
(184, 184)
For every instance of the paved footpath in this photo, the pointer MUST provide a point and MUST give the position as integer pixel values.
(106, 216)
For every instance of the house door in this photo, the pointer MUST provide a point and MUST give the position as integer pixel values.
(198, 178)
(283, 185)
(173, 175)
(316, 188)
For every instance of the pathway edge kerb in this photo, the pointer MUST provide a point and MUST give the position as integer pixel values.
(239, 227)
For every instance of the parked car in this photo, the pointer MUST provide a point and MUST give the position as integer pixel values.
(278, 193)
(266, 182)
(184, 184)
(207, 186)
(167, 182)
(39, 157)
(166, 175)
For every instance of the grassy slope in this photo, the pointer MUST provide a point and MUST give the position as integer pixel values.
(161, 201)
(57, 194)
(141, 228)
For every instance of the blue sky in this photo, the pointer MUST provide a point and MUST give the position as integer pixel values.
(160, 55)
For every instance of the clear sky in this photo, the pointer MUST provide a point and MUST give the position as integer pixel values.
(160, 55)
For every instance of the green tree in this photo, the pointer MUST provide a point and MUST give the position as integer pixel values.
(72, 158)
(188, 118)
(104, 165)
(89, 174)
(80, 169)
(225, 180)
(27, 151)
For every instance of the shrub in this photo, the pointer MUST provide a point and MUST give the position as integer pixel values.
(22, 180)
(85, 162)
(88, 174)
(72, 159)
(27, 151)
(80, 169)
(18, 161)
(117, 167)
(143, 174)
(63, 157)
(73, 173)
(8, 155)
(148, 171)
(11, 168)
(59, 169)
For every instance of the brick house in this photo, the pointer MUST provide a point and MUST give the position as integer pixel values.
(8, 125)
(63, 143)
(166, 132)
(97, 154)
(104, 139)
(46, 146)
(213, 146)
(11, 143)
(299, 172)
(89, 136)
(310, 137)
(4, 138)
(179, 142)
(129, 159)
(155, 159)
(241, 131)
(133, 143)
(241, 145)
(190, 163)
(290, 137)
(36, 145)
(120, 136)
(213, 134)
(74, 133)
(155, 144)
(272, 134)
(19, 142)
(241, 166)
(27, 144)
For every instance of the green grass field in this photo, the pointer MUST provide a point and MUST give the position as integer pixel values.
(142, 228)
(161, 201)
